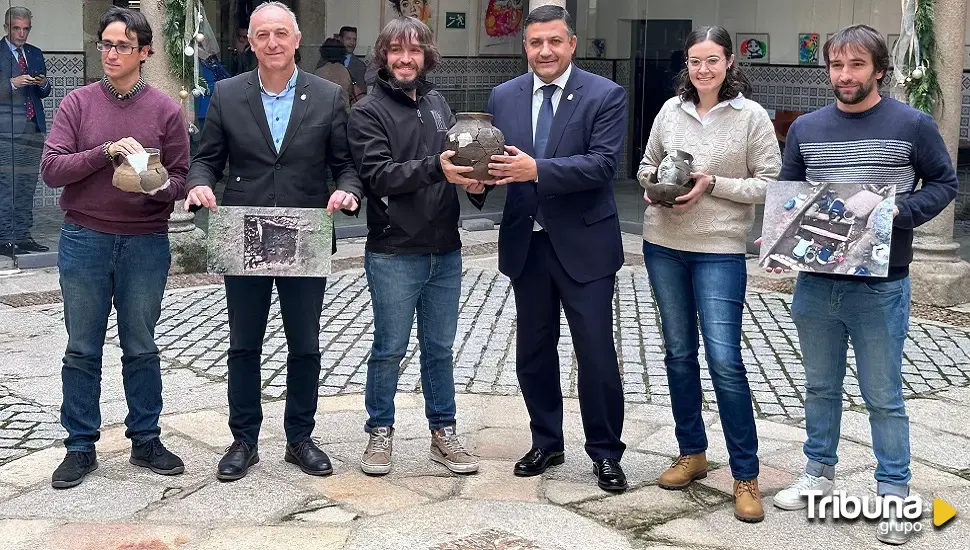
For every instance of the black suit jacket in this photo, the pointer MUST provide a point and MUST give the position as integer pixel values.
(236, 142)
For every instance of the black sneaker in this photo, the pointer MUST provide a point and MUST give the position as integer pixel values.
(154, 456)
(73, 468)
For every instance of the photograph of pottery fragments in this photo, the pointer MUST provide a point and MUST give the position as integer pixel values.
(841, 228)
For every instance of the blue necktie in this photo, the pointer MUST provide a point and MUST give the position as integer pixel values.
(347, 60)
(544, 123)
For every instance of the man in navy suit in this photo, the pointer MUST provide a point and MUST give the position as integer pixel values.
(559, 241)
(23, 86)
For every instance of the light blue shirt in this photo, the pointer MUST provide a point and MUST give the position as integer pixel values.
(278, 108)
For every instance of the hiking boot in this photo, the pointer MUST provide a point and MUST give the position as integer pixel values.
(72, 470)
(747, 501)
(793, 497)
(684, 470)
(376, 459)
(154, 456)
(447, 449)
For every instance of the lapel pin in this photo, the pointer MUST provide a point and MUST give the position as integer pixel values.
(569, 97)
(303, 97)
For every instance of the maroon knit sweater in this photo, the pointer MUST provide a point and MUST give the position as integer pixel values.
(73, 158)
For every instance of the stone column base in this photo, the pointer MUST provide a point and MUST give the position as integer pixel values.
(940, 283)
(187, 243)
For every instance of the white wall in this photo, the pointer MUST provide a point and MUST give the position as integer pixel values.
(56, 25)
(611, 20)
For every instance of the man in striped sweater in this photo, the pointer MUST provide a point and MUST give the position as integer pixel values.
(862, 138)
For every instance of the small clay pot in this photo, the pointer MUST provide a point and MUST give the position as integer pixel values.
(475, 140)
(126, 179)
(671, 179)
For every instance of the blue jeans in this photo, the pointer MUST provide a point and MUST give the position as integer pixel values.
(688, 285)
(875, 316)
(400, 285)
(97, 269)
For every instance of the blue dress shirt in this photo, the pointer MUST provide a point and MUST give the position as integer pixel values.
(278, 108)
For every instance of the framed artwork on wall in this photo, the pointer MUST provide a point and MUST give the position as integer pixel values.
(966, 57)
(753, 48)
(500, 27)
(425, 10)
(808, 47)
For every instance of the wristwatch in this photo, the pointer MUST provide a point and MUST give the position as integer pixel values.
(713, 183)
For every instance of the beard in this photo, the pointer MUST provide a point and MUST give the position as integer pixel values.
(406, 85)
(853, 98)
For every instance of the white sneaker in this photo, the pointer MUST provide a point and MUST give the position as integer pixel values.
(894, 530)
(793, 498)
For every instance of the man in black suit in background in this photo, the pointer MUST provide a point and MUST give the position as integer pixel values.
(278, 129)
(23, 86)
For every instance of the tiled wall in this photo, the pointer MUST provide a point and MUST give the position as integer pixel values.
(66, 71)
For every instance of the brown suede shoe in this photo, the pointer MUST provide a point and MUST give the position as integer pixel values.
(685, 469)
(747, 501)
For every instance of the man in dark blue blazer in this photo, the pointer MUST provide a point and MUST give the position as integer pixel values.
(23, 86)
(559, 240)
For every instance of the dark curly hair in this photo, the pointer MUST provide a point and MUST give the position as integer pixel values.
(735, 81)
(407, 29)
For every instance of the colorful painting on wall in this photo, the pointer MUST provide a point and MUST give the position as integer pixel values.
(753, 48)
(596, 47)
(425, 10)
(500, 30)
(808, 48)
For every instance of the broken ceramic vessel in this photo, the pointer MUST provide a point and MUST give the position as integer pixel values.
(671, 180)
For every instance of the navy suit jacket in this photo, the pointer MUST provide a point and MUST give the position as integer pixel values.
(575, 182)
(13, 103)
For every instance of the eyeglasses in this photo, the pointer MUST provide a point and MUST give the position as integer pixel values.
(122, 49)
(711, 62)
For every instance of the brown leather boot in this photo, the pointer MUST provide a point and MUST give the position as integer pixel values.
(747, 501)
(685, 469)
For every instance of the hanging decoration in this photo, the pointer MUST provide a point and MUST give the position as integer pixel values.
(181, 29)
(912, 56)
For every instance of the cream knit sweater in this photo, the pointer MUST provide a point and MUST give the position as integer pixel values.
(736, 143)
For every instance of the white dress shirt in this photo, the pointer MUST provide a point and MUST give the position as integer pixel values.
(537, 85)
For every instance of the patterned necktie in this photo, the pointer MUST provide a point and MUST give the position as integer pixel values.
(23, 70)
(544, 122)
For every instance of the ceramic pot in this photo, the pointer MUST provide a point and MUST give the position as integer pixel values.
(126, 179)
(671, 180)
(475, 140)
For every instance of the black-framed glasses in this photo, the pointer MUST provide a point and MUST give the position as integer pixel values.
(122, 49)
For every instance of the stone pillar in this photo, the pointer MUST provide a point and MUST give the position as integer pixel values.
(187, 240)
(533, 4)
(91, 12)
(939, 277)
(310, 16)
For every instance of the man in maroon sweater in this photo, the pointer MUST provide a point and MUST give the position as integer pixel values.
(114, 244)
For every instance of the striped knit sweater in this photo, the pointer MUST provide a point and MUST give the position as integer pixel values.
(890, 143)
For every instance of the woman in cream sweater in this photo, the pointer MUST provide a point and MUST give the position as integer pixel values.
(694, 254)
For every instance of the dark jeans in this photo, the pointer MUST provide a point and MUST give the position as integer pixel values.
(688, 285)
(875, 316)
(96, 269)
(18, 181)
(248, 300)
(400, 286)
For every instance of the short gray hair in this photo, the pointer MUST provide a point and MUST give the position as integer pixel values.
(17, 12)
(280, 5)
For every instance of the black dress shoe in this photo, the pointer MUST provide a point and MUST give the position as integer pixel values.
(154, 456)
(309, 458)
(237, 460)
(30, 245)
(609, 475)
(536, 461)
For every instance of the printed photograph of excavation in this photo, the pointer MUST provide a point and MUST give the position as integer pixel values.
(272, 241)
(839, 228)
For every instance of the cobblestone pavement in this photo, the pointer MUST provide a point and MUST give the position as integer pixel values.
(193, 335)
